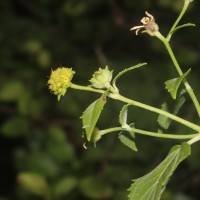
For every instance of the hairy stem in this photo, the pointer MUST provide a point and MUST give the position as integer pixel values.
(193, 140)
(185, 6)
(141, 105)
(173, 58)
(159, 111)
(150, 133)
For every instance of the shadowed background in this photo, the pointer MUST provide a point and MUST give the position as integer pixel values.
(41, 144)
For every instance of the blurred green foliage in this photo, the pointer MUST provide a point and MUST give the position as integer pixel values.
(41, 153)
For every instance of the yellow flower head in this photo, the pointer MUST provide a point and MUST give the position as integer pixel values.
(60, 80)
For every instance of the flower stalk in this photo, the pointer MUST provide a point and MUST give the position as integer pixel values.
(194, 139)
(60, 81)
(150, 133)
(185, 6)
(178, 69)
(141, 105)
(152, 29)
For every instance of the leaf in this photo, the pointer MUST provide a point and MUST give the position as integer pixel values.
(131, 132)
(128, 142)
(92, 188)
(124, 71)
(123, 120)
(96, 136)
(11, 90)
(180, 101)
(34, 183)
(172, 85)
(15, 127)
(91, 115)
(123, 115)
(164, 121)
(152, 185)
(178, 28)
(58, 147)
(42, 163)
(65, 186)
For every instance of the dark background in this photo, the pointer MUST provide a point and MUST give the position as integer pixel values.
(43, 137)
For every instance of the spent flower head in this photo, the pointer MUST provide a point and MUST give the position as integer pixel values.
(149, 25)
(101, 78)
(60, 80)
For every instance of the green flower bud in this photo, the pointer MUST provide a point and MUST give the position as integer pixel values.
(101, 78)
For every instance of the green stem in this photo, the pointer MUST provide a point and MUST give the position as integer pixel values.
(185, 6)
(193, 140)
(152, 134)
(163, 135)
(141, 105)
(109, 130)
(86, 88)
(187, 86)
(157, 110)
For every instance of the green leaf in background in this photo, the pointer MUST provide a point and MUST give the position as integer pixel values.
(91, 115)
(65, 186)
(42, 163)
(11, 90)
(93, 188)
(172, 85)
(15, 127)
(127, 142)
(34, 183)
(152, 185)
(58, 146)
(163, 121)
(124, 71)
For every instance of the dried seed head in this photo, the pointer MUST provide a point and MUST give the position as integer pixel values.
(149, 25)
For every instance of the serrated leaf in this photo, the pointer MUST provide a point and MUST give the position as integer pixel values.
(172, 85)
(124, 71)
(91, 115)
(163, 121)
(128, 142)
(152, 185)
